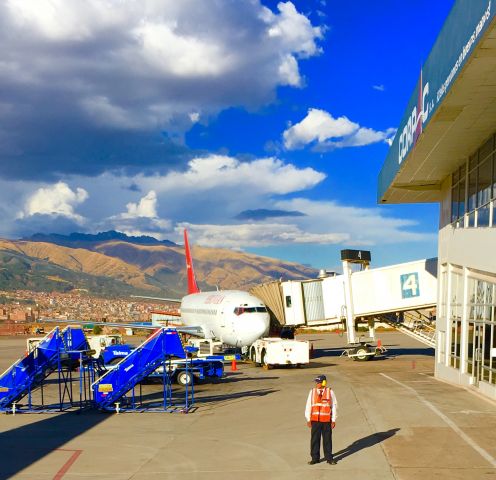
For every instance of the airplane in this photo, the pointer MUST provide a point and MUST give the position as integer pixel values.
(234, 317)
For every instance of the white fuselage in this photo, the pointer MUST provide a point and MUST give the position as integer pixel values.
(234, 317)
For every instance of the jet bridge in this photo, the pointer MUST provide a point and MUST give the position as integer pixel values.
(27, 373)
(401, 294)
(157, 349)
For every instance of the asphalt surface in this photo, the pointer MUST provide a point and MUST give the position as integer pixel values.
(395, 421)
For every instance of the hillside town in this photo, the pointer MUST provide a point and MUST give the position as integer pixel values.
(20, 309)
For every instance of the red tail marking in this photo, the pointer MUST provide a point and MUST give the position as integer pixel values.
(192, 285)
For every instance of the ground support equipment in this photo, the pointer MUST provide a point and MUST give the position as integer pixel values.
(109, 391)
(58, 352)
(363, 351)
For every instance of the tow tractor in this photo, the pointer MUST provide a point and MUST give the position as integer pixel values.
(276, 351)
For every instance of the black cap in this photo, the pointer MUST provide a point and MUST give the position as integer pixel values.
(320, 378)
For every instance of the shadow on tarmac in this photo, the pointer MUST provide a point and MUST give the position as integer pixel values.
(397, 352)
(391, 353)
(328, 352)
(234, 396)
(313, 365)
(363, 443)
(178, 395)
(23, 446)
(242, 379)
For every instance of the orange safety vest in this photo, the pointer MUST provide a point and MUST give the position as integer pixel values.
(321, 405)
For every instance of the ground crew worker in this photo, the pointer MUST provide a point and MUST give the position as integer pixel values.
(321, 414)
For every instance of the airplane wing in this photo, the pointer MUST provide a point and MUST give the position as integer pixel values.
(160, 299)
(190, 330)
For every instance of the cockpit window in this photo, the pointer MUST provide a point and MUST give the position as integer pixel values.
(241, 310)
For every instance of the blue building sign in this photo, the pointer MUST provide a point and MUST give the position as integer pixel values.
(463, 29)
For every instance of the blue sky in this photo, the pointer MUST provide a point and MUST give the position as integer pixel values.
(260, 126)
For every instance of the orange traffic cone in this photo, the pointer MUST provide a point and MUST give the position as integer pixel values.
(379, 343)
(233, 366)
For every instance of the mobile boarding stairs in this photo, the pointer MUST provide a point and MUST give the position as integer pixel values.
(59, 351)
(63, 351)
(109, 391)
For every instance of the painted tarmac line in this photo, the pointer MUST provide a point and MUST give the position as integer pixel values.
(67, 464)
(449, 422)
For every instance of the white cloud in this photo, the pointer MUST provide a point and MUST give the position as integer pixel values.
(293, 29)
(288, 71)
(146, 207)
(365, 226)
(223, 173)
(325, 222)
(141, 218)
(326, 132)
(57, 200)
(139, 65)
(379, 88)
(255, 235)
(183, 55)
(363, 136)
(317, 125)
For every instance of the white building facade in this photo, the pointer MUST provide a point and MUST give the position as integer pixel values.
(445, 151)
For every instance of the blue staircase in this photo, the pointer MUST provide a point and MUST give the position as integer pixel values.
(27, 373)
(141, 362)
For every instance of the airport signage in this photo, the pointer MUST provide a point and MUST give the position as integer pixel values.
(463, 29)
(410, 287)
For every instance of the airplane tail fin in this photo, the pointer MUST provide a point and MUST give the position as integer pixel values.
(192, 285)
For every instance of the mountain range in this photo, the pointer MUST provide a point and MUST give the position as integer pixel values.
(114, 264)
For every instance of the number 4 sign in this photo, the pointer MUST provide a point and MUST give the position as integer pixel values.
(410, 285)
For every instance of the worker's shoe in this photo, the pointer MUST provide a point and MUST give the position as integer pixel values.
(332, 462)
(313, 462)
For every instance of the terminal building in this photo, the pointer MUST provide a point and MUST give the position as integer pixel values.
(444, 152)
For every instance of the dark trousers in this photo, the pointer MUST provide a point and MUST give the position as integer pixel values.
(324, 430)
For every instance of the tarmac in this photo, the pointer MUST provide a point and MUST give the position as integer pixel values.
(395, 421)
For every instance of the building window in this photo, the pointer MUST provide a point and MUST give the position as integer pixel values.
(441, 315)
(481, 348)
(473, 190)
(455, 321)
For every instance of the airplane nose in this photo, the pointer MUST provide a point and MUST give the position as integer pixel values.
(254, 329)
(261, 326)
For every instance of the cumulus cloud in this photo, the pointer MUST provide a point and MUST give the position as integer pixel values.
(325, 132)
(141, 218)
(223, 173)
(146, 207)
(110, 76)
(56, 200)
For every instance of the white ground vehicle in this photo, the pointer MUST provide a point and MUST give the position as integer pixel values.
(273, 351)
(96, 342)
